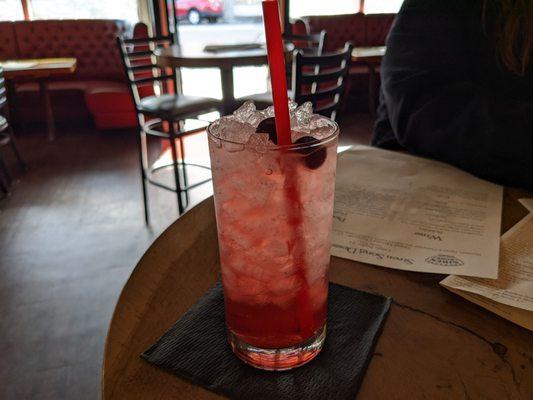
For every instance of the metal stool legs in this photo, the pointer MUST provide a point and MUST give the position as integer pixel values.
(181, 149)
(14, 147)
(174, 152)
(5, 172)
(143, 163)
(171, 131)
(5, 178)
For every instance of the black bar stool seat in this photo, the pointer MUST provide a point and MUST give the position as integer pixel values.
(176, 106)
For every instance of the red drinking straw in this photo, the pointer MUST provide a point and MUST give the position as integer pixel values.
(276, 63)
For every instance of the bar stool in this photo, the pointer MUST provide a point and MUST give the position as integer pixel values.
(160, 112)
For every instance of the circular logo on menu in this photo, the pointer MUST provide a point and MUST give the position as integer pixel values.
(445, 260)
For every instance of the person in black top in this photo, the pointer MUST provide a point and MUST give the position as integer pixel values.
(457, 86)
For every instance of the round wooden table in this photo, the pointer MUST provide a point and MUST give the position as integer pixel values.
(196, 57)
(435, 345)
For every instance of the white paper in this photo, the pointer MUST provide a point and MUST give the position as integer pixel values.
(517, 315)
(410, 213)
(514, 286)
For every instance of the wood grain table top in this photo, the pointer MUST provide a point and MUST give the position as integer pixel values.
(371, 54)
(198, 57)
(38, 67)
(435, 345)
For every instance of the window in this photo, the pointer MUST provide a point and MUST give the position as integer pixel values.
(382, 6)
(299, 8)
(11, 10)
(65, 9)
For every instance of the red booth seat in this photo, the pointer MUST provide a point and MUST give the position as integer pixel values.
(360, 29)
(99, 83)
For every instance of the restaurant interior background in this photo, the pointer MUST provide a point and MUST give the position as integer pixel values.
(71, 227)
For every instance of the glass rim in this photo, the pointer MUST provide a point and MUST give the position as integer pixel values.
(287, 147)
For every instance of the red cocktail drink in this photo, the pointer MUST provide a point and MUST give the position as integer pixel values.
(274, 207)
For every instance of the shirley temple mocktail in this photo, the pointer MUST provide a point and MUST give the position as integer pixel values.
(274, 207)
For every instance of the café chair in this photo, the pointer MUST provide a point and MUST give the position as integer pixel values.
(321, 79)
(7, 137)
(161, 112)
(314, 43)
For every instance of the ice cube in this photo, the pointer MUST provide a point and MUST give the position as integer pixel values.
(256, 118)
(249, 114)
(260, 142)
(300, 118)
(268, 112)
(317, 121)
(320, 127)
(292, 106)
(231, 129)
(244, 112)
(240, 126)
(303, 114)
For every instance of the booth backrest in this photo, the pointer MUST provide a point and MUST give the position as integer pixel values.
(360, 29)
(91, 42)
(8, 41)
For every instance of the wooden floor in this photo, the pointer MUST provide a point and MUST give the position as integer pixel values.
(70, 234)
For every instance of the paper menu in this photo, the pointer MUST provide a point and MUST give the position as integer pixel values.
(511, 295)
(519, 316)
(400, 211)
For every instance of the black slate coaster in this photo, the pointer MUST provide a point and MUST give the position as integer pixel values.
(196, 349)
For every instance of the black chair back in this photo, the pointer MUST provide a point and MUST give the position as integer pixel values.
(321, 79)
(139, 65)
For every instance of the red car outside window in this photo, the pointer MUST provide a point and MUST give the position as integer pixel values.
(195, 11)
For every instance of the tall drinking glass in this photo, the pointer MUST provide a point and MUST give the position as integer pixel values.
(274, 208)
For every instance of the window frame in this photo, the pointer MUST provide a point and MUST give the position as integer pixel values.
(27, 10)
(360, 10)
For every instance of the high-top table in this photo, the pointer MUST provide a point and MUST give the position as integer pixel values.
(197, 57)
(370, 53)
(41, 70)
(435, 345)
(369, 59)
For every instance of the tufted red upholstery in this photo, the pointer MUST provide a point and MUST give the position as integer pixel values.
(377, 28)
(360, 29)
(8, 41)
(99, 81)
(91, 42)
(113, 107)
